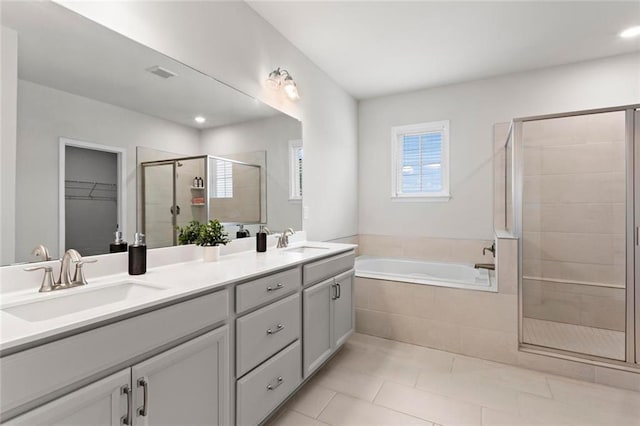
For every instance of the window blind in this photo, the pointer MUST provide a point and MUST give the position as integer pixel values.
(420, 168)
(224, 179)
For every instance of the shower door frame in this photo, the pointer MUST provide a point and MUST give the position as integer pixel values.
(632, 236)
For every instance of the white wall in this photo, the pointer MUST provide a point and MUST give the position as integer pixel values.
(45, 115)
(271, 135)
(231, 42)
(473, 108)
(8, 92)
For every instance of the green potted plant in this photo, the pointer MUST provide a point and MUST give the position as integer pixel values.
(189, 233)
(211, 236)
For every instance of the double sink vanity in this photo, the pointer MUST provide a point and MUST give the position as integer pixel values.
(222, 343)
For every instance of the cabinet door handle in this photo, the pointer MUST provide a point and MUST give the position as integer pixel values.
(278, 329)
(126, 419)
(142, 411)
(334, 291)
(279, 286)
(339, 291)
(279, 381)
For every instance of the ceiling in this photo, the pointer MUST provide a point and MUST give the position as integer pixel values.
(63, 50)
(374, 48)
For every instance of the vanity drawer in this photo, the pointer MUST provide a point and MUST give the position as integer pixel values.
(39, 374)
(264, 332)
(259, 392)
(326, 268)
(265, 289)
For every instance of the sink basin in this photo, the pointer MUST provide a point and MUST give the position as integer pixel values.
(305, 249)
(79, 299)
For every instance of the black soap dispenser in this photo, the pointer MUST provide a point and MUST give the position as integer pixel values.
(138, 255)
(118, 245)
(261, 240)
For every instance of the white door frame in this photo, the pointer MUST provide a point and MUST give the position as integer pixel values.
(122, 184)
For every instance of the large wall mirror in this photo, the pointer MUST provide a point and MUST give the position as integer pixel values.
(111, 134)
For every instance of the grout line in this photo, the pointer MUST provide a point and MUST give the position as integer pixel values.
(329, 402)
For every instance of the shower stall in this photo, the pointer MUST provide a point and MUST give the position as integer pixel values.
(178, 190)
(572, 185)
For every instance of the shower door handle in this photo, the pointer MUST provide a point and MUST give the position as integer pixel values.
(177, 210)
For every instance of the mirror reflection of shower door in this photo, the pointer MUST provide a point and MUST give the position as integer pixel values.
(159, 202)
(574, 205)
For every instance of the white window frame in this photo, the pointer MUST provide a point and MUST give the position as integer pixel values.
(293, 170)
(397, 132)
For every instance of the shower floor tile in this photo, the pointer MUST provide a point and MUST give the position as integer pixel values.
(574, 338)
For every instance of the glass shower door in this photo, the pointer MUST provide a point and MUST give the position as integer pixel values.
(574, 208)
(159, 205)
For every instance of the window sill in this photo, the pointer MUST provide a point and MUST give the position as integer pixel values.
(422, 199)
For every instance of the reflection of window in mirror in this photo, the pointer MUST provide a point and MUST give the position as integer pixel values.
(223, 187)
(295, 169)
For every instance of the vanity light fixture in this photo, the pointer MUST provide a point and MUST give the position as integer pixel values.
(631, 32)
(281, 78)
(199, 119)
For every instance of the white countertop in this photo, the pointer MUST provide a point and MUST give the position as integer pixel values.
(180, 280)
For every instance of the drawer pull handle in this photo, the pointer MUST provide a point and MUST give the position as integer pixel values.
(279, 286)
(278, 383)
(142, 411)
(278, 329)
(126, 419)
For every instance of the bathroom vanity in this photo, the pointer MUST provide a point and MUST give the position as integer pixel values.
(194, 343)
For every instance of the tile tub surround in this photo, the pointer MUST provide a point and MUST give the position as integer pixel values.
(379, 381)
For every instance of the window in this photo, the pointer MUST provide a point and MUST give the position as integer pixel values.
(295, 170)
(420, 161)
(224, 179)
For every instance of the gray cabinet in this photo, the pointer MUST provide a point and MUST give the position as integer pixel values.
(186, 385)
(102, 403)
(328, 319)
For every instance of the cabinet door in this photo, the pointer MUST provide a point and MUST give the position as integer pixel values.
(101, 403)
(343, 313)
(316, 337)
(186, 385)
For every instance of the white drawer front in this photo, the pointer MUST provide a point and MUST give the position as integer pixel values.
(322, 269)
(259, 392)
(265, 289)
(37, 372)
(266, 331)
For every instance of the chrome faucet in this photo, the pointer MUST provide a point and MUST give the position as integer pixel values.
(283, 239)
(42, 251)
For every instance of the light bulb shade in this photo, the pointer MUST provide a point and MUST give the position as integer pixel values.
(274, 79)
(290, 89)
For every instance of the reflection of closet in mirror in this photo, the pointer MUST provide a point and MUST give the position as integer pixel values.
(93, 205)
(179, 190)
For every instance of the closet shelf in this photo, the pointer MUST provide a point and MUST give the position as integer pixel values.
(90, 190)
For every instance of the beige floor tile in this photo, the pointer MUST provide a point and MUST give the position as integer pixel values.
(470, 388)
(348, 411)
(492, 417)
(349, 382)
(292, 418)
(311, 400)
(428, 406)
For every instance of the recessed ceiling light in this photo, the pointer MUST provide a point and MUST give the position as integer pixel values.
(200, 119)
(161, 72)
(631, 32)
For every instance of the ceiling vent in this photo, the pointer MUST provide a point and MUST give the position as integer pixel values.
(161, 72)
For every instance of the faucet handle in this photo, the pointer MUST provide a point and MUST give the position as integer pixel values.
(78, 276)
(48, 283)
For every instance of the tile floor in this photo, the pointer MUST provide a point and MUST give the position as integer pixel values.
(374, 381)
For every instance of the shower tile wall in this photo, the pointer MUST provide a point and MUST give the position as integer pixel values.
(574, 220)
